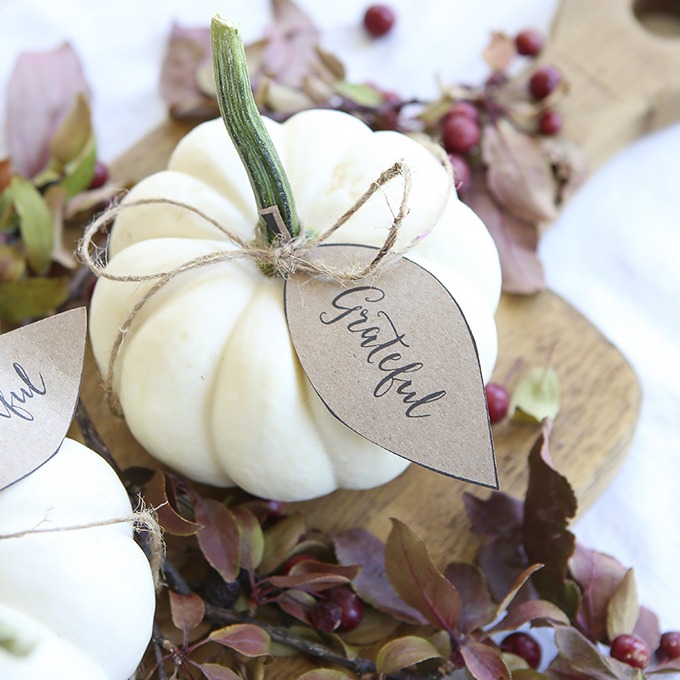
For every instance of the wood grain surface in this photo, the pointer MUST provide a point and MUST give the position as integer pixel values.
(621, 61)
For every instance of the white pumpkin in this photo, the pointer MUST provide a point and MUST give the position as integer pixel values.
(76, 603)
(207, 377)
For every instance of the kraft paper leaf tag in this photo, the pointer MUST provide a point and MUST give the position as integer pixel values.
(40, 370)
(392, 357)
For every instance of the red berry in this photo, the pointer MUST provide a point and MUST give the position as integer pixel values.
(100, 176)
(326, 616)
(550, 122)
(498, 401)
(669, 646)
(460, 134)
(462, 176)
(379, 19)
(543, 81)
(465, 109)
(529, 42)
(630, 649)
(523, 645)
(349, 603)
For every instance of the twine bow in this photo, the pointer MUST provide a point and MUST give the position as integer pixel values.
(283, 257)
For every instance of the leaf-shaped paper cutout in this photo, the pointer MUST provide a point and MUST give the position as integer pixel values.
(392, 357)
(40, 369)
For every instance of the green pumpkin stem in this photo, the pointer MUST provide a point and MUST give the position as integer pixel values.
(245, 127)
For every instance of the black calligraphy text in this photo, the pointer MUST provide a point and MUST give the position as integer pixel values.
(357, 309)
(16, 403)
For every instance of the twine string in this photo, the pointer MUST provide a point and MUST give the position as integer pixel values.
(142, 519)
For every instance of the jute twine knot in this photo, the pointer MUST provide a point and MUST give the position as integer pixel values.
(283, 257)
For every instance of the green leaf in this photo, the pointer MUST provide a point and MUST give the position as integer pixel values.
(417, 581)
(7, 213)
(360, 93)
(280, 540)
(80, 171)
(436, 110)
(324, 674)
(623, 609)
(251, 537)
(580, 656)
(245, 638)
(404, 652)
(31, 298)
(13, 641)
(35, 223)
(538, 395)
(12, 264)
(74, 132)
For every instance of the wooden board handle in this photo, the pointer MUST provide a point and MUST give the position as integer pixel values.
(624, 79)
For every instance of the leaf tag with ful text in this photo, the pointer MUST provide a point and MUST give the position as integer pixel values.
(392, 357)
(40, 370)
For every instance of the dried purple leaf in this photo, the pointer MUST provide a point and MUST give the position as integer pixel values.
(187, 52)
(213, 671)
(218, 537)
(516, 241)
(417, 581)
(478, 609)
(500, 51)
(159, 493)
(550, 504)
(372, 585)
(529, 612)
(244, 638)
(187, 611)
(484, 662)
(519, 173)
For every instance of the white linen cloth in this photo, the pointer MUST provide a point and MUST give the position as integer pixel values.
(613, 254)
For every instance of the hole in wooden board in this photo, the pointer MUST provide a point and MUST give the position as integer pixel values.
(661, 17)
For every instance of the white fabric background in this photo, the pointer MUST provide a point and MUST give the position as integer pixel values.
(613, 253)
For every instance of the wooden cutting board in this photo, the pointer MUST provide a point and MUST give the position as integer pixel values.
(623, 82)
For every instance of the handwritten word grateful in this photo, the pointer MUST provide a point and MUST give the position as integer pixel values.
(15, 404)
(360, 312)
